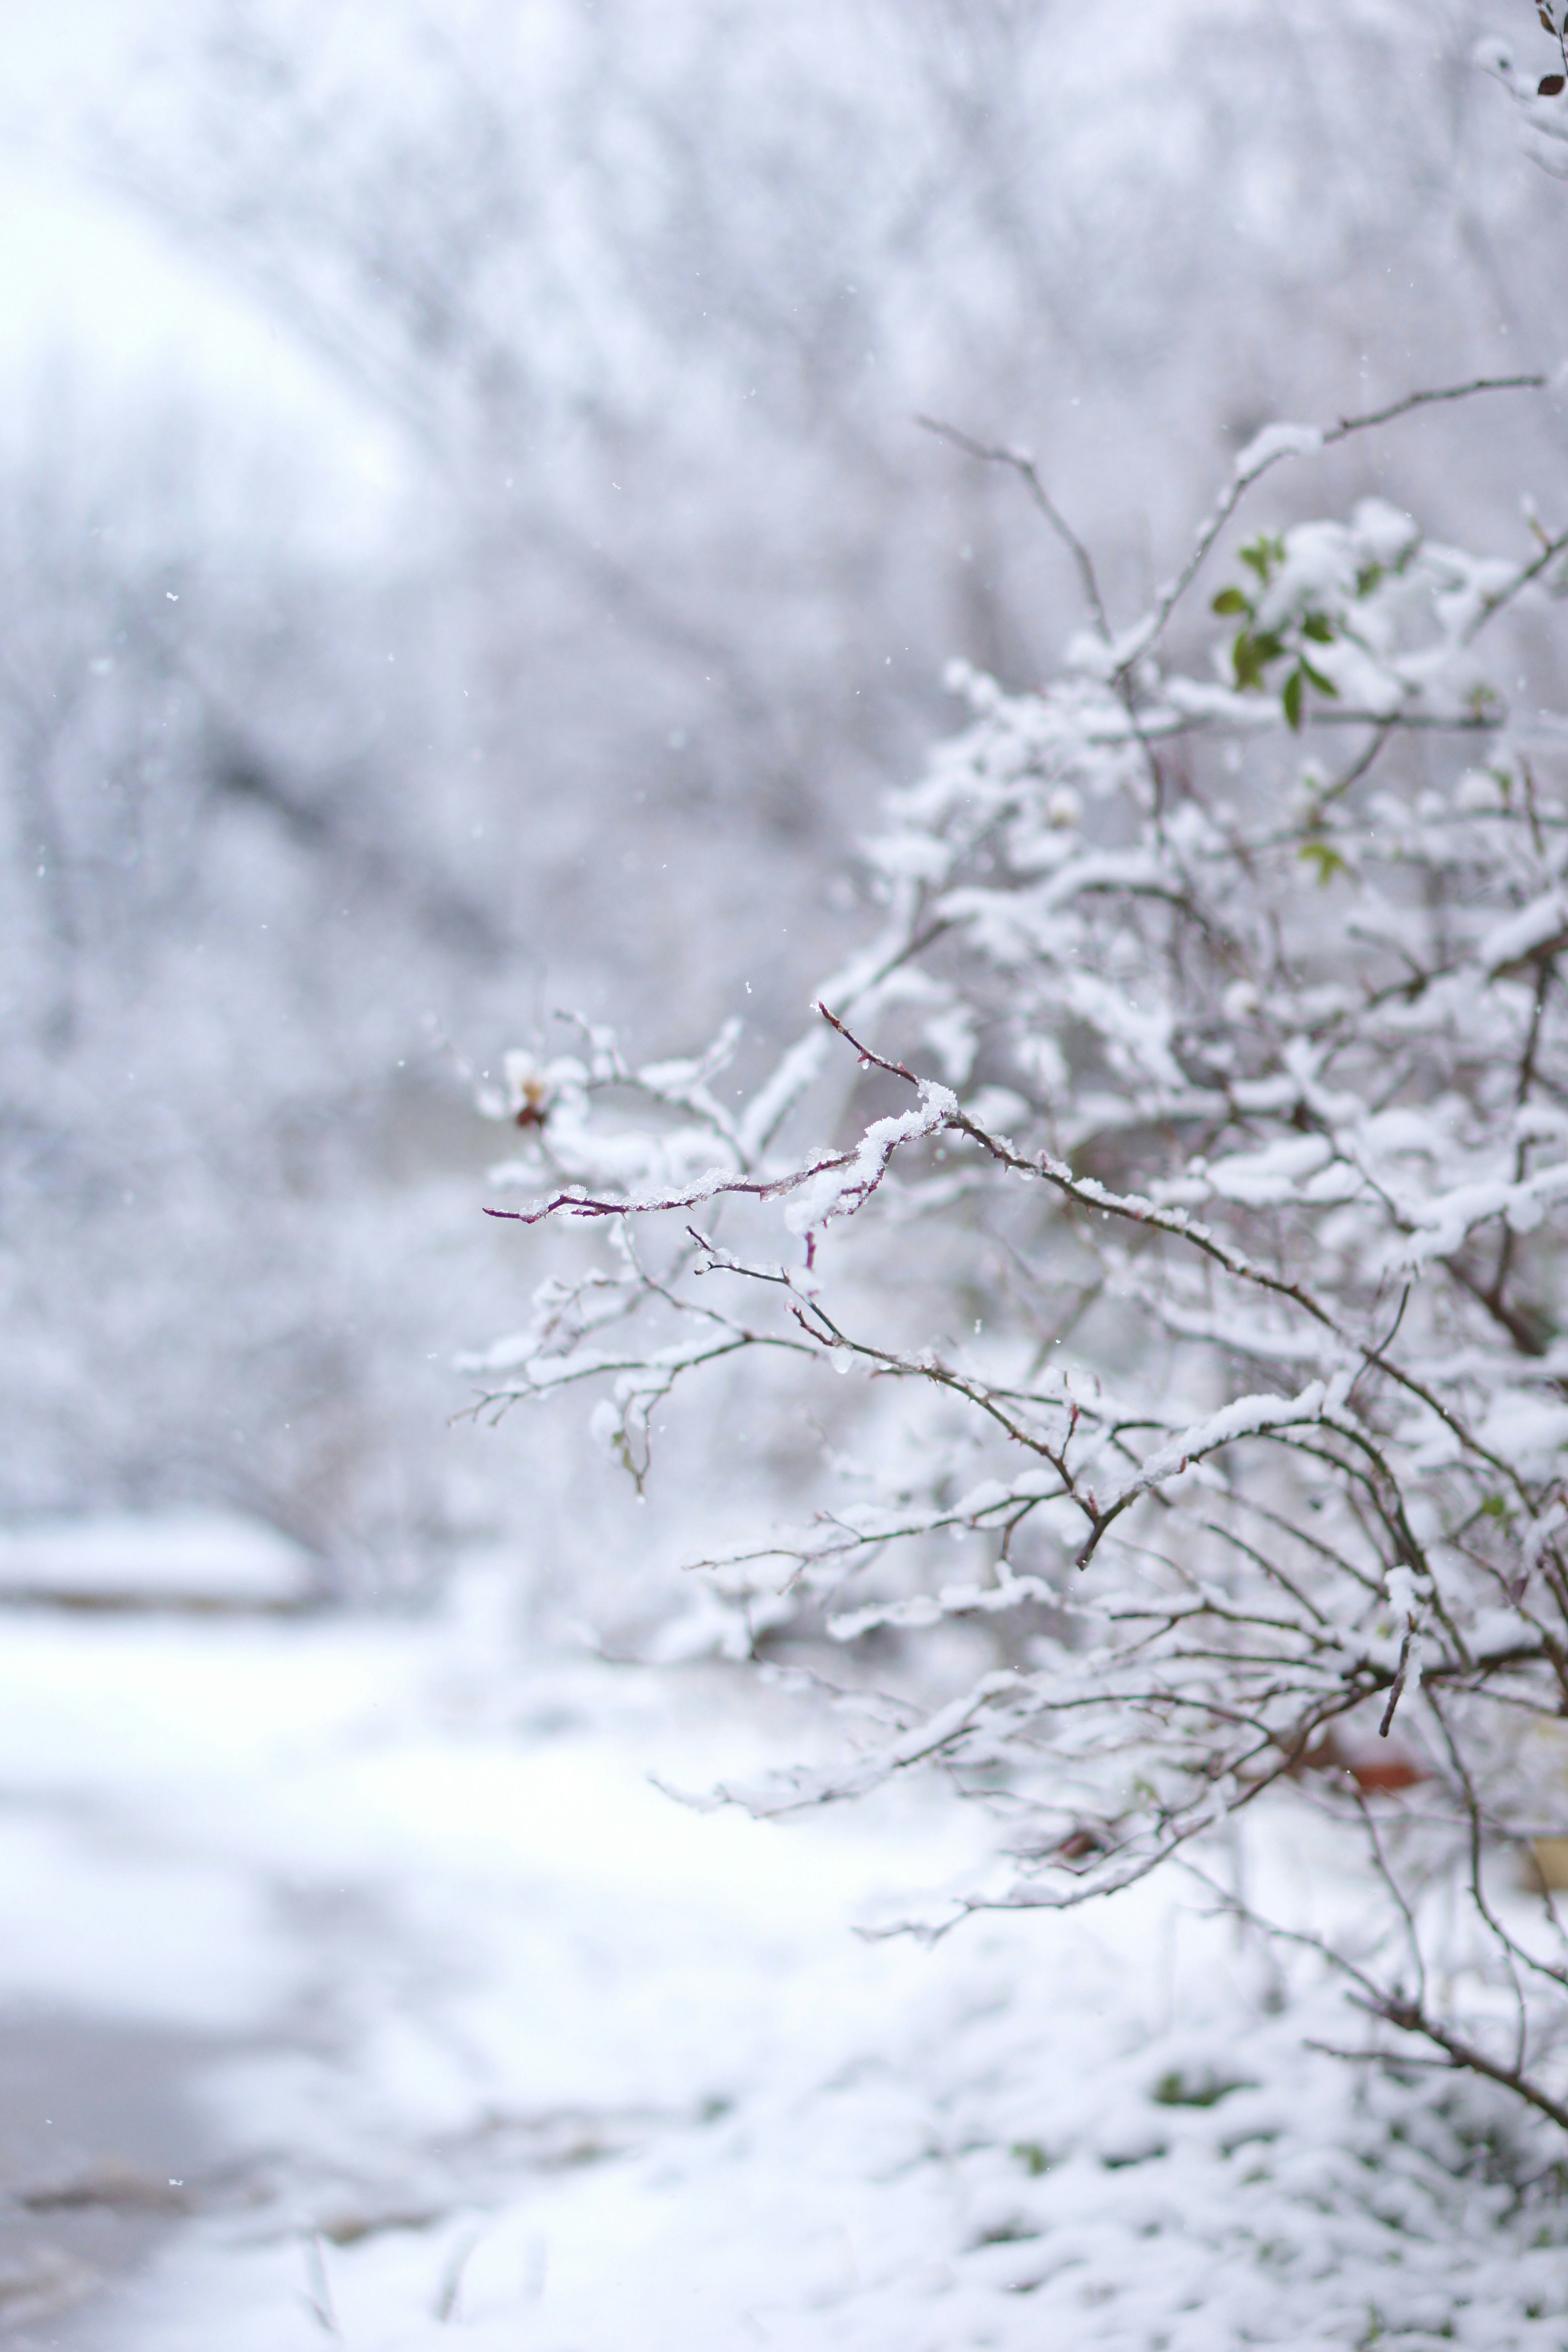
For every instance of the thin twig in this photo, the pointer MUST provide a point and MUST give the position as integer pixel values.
(1396, 1689)
(1028, 474)
(1348, 424)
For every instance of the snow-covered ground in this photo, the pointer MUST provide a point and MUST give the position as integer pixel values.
(455, 2023)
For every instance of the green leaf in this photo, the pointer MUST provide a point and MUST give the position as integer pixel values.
(1319, 628)
(1202, 2089)
(1325, 856)
(1368, 578)
(1251, 654)
(1292, 700)
(1263, 554)
(1244, 662)
(1231, 600)
(1315, 677)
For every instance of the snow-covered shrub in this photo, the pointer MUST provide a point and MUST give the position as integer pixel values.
(1201, 1241)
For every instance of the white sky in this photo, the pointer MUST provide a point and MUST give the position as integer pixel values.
(87, 280)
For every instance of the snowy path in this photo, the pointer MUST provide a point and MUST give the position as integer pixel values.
(359, 1944)
(474, 2038)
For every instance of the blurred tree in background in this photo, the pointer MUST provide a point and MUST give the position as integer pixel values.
(654, 298)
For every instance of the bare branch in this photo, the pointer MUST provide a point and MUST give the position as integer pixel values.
(1028, 474)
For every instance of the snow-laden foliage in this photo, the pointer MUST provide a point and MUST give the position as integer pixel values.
(1202, 1253)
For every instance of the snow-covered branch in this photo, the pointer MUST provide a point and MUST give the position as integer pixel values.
(1226, 1098)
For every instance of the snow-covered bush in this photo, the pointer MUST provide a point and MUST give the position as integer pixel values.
(1199, 1236)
